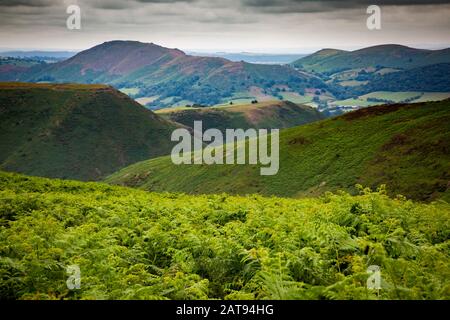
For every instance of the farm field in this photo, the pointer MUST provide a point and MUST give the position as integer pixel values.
(146, 100)
(362, 101)
(130, 91)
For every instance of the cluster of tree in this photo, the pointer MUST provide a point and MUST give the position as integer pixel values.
(196, 105)
(386, 101)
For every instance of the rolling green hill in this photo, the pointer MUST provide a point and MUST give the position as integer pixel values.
(76, 131)
(267, 115)
(330, 61)
(130, 244)
(169, 74)
(405, 147)
(385, 68)
(160, 77)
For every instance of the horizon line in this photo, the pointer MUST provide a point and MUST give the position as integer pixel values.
(268, 51)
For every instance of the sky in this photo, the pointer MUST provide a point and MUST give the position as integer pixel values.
(260, 26)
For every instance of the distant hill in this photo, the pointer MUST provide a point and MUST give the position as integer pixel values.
(254, 57)
(11, 69)
(388, 68)
(82, 132)
(271, 114)
(405, 146)
(37, 53)
(170, 74)
(330, 61)
(316, 59)
(160, 77)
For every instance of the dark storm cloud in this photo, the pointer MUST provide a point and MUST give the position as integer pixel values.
(26, 3)
(164, 1)
(101, 4)
(227, 24)
(110, 4)
(311, 6)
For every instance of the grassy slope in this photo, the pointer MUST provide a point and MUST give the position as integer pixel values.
(403, 146)
(272, 114)
(75, 131)
(130, 244)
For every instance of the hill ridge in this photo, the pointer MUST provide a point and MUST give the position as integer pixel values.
(386, 55)
(67, 132)
(405, 147)
(156, 71)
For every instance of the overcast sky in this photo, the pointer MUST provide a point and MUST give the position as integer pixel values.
(273, 26)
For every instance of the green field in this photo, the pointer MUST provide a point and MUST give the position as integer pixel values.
(174, 109)
(236, 101)
(396, 97)
(246, 98)
(182, 103)
(386, 71)
(146, 100)
(130, 244)
(393, 96)
(353, 83)
(295, 97)
(243, 98)
(130, 91)
(354, 102)
(433, 96)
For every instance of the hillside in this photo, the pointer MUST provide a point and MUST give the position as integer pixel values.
(170, 75)
(316, 59)
(76, 131)
(405, 147)
(351, 75)
(428, 78)
(389, 56)
(130, 244)
(267, 115)
(11, 69)
(160, 77)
